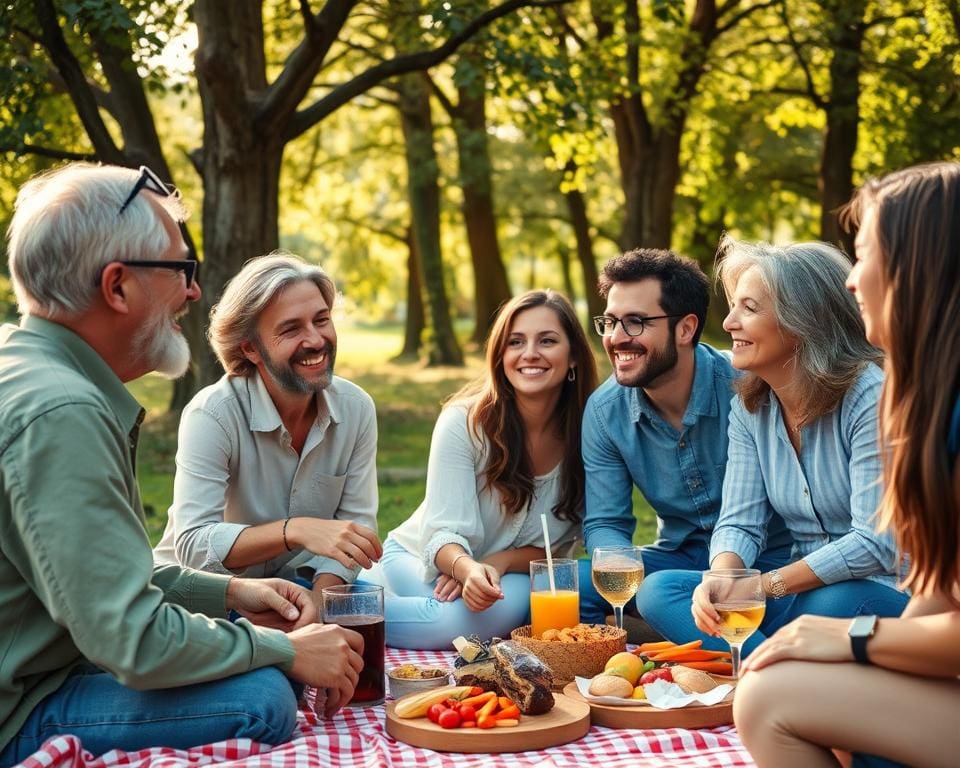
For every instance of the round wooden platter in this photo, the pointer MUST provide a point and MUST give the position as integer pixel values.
(568, 721)
(638, 716)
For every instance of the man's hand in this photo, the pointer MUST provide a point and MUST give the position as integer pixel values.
(328, 656)
(347, 542)
(275, 603)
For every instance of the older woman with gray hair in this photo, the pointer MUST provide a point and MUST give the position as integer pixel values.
(803, 445)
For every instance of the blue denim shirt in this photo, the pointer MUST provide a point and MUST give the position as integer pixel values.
(828, 496)
(626, 443)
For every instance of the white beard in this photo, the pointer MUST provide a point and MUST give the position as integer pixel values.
(164, 349)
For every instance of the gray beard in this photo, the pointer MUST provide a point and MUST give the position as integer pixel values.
(291, 381)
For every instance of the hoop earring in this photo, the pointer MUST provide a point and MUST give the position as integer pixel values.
(572, 373)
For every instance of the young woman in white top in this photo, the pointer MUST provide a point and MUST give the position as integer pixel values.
(505, 449)
(887, 689)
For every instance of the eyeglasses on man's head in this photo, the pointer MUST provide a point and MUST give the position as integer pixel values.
(150, 181)
(633, 325)
(189, 267)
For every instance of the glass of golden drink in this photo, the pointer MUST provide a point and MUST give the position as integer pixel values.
(737, 595)
(617, 573)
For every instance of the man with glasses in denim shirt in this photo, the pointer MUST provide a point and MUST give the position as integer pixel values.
(659, 423)
(96, 642)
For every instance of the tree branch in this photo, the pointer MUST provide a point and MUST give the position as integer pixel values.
(815, 97)
(281, 98)
(738, 17)
(401, 65)
(69, 68)
(51, 152)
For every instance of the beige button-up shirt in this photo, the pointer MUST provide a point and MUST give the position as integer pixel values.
(236, 468)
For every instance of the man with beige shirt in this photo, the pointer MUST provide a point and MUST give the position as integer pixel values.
(276, 462)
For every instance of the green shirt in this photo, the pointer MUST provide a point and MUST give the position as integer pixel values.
(76, 571)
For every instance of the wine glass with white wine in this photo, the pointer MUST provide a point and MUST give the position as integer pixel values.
(617, 573)
(737, 595)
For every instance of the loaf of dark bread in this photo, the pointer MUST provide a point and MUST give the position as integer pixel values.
(523, 677)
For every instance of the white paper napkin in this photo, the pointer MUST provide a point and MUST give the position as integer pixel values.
(660, 694)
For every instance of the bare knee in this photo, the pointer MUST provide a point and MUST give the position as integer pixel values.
(761, 707)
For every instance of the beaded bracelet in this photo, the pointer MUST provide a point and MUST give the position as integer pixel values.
(289, 549)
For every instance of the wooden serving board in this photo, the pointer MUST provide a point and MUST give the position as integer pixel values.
(568, 721)
(613, 716)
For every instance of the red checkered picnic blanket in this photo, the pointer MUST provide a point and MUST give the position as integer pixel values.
(356, 738)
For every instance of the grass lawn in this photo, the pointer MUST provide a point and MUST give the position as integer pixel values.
(408, 398)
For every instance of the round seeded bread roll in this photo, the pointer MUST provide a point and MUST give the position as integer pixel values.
(610, 685)
(693, 680)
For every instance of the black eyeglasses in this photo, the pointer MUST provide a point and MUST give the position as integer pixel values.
(150, 181)
(633, 325)
(189, 267)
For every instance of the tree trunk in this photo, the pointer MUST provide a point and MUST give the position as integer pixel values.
(577, 208)
(492, 287)
(424, 194)
(414, 323)
(240, 167)
(846, 20)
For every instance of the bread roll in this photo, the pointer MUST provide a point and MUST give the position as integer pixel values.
(693, 680)
(610, 685)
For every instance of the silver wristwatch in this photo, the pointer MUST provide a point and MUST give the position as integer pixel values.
(777, 588)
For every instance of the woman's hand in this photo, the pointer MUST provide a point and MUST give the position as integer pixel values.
(806, 638)
(447, 589)
(275, 603)
(481, 586)
(704, 615)
(345, 541)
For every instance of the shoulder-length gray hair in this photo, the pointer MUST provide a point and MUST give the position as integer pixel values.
(233, 320)
(67, 226)
(811, 303)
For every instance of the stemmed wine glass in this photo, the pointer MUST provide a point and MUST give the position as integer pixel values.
(737, 595)
(617, 573)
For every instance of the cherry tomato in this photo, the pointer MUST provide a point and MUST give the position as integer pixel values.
(467, 712)
(449, 719)
(433, 714)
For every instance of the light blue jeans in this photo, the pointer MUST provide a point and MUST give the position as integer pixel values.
(260, 705)
(415, 620)
(693, 557)
(666, 597)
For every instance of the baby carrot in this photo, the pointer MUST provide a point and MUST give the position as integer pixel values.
(476, 701)
(696, 654)
(486, 710)
(713, 667)
(653, 647)
(510, 713)
(692, 645)
(507, 723)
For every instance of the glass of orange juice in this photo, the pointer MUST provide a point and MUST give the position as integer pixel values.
(557, 605)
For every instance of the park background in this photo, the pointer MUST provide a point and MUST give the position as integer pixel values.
(439, 156)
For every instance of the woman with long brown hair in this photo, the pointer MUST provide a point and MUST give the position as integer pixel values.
(888, 689)
(505, 449)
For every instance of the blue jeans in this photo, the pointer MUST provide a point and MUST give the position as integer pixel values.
(105, 715)
(665, 599)
(414, 619)
(692, 557)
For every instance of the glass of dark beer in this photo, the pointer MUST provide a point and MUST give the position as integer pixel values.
(360, 607)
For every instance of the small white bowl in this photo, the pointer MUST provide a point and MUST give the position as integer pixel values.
(403, 686)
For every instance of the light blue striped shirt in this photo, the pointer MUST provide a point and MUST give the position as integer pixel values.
(828, 496)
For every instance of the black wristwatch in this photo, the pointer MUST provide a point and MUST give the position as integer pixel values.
(861, 630)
